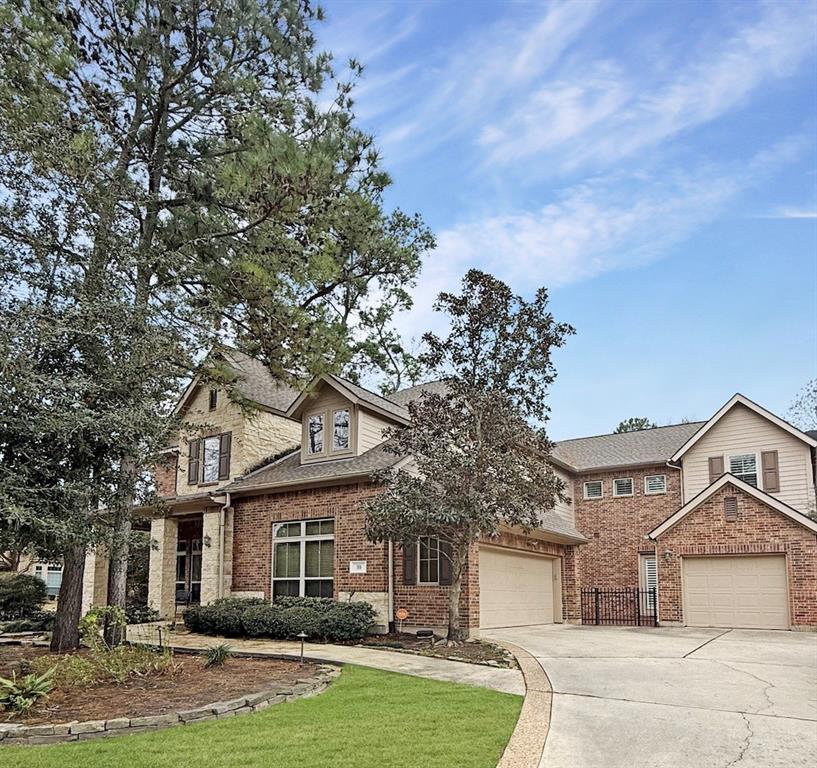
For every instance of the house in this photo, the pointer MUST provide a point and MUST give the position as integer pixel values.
(712, 515)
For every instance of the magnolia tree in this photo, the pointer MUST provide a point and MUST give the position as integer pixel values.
(477, 448)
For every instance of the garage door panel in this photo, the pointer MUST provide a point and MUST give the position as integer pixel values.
(742, 592)
(515, 588)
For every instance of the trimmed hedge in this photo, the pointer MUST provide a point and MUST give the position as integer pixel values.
(21, 595)
(320, 618)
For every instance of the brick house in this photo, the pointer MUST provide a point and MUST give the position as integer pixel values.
(712, 514)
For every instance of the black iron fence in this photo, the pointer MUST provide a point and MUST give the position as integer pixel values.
(622, 605)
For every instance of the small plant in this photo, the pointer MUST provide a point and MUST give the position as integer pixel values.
(19, 695)
(217, 654)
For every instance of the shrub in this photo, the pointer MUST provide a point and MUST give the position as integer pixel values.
(217, 654)
(20, 595)
(39, 621)
(319, 618)
(20, 695)
(140, 614)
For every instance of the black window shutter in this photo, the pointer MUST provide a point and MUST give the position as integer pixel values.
(224, 456)
(410, 562)
(193, 462)
(445, 563)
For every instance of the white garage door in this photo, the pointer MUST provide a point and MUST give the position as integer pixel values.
(514, 588)
(743, 592)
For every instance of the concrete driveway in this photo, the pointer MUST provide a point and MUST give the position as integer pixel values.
(682, 698)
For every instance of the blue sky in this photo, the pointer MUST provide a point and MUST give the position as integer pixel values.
(653, 164)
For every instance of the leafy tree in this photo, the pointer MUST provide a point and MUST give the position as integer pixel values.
(634, 424)
(803, 411)
(476, 460)
(171, 174)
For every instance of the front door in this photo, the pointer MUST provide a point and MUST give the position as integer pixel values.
(188, 561)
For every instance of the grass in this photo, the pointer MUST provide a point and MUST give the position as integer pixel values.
(367, 719)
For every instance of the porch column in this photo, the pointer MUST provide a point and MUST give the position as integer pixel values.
(95, 579)
(164, 533)
(210, 555)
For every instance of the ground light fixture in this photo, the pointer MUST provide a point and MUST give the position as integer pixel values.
(302, 636)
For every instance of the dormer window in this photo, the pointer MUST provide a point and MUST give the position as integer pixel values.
(340, 430)
(315, 433)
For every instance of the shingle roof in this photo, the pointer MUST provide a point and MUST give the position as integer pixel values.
(410, 394)
(367, 396)
(553, 523)
(646, 446)
(256, 383)
(290, 471)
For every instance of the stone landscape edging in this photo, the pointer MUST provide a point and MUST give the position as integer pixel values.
(15, 734)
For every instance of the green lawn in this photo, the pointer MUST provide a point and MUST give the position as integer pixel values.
(367, 719)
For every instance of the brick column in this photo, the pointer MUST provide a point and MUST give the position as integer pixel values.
(210, 555)
(162, 574)
(95, 579)
(571, 599)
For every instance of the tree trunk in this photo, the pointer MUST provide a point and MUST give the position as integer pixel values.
(456, 634)
(65, 636)
(118, 577)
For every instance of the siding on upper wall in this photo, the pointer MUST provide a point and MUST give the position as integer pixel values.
(254, 436)
(370, 430)
(325, 401)
(741, 430)
(565, 508)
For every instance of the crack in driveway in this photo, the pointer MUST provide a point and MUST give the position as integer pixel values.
(767, 685)
(746, 742)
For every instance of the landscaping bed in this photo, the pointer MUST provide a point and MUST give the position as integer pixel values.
(184, 684)
(472, 651)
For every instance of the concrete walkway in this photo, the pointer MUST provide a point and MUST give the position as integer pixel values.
(676, 698)
(505, 680)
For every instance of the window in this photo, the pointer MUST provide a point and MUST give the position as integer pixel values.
(51, 574)
(340, 430)
(213, 399)
(649, 581)
(744, 467)
(654, 484)
(428, 560)
(315, 433)
(303, 558)
(593, 489)
(212, 449)
(623, 486)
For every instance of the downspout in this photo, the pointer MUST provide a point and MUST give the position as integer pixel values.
(221, 526)
(390, 611)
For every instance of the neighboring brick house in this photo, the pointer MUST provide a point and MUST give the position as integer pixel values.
(270, 504)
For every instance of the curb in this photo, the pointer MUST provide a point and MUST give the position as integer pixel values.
(12, 734)
(527, 742)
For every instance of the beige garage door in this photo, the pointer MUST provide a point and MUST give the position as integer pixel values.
(742, 592)
(514, 588)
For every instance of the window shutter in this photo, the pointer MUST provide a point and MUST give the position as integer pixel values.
(193, 462)
(715, 468)
(445, 563)
(771, 473)
(410, 562)
(730, 508)
(224, 456)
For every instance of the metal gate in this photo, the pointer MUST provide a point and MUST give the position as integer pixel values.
(623, 605)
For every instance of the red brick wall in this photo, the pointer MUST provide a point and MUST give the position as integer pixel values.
(616, 527)
(165, 474)
(758, 529)
(252, 536)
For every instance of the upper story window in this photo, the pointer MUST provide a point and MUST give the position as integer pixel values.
(340, 429)
(314, 433)
(213, 399)
(593, 489)
(209, 459)
(655, 484)
(623, 486)
(744, 467)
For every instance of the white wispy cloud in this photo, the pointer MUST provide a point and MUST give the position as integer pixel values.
(610, 222)
(790, 213)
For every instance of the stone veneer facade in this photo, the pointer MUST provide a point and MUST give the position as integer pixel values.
(758, 529)
(617, 526)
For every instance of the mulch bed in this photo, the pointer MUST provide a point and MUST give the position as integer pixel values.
(188, 686)
(473, 651)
